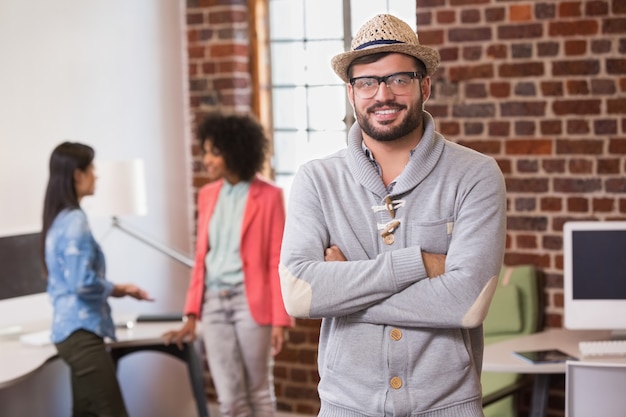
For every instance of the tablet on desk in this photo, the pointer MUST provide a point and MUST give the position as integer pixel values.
(545, 356)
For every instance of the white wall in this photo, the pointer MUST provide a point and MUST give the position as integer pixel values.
(112, 74)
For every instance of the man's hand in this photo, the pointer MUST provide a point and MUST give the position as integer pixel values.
(434, 263)
(334, 254)
(186, 333)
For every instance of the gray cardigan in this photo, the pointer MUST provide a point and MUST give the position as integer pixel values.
(394, 342)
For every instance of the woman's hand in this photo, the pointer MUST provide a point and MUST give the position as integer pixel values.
(186, 334)
(278, 338)
(130, 290)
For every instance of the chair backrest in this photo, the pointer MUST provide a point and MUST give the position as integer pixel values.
(516, 306)
(595, 389)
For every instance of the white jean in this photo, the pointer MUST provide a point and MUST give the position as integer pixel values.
(239, 355)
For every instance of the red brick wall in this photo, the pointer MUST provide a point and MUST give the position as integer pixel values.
(541, 86)
(218, 55)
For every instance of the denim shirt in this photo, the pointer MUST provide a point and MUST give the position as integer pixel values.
(77, 286)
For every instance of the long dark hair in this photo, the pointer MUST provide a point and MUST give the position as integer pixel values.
(65, 159)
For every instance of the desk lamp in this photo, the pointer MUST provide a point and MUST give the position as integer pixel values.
(121, 191)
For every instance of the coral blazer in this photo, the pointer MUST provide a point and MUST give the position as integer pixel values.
(260, 242)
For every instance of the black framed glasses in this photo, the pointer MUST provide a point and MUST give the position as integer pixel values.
(399, 83)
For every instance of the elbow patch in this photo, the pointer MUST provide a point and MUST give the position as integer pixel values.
(297, 294)
(478, 311)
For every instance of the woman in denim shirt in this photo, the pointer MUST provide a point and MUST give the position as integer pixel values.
(75, 267)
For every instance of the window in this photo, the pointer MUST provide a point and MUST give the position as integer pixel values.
(311, 113)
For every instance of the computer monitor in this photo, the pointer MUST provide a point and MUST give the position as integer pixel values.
(594, 266)
(20, 266)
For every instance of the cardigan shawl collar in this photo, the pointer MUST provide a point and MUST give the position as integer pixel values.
(421, 163)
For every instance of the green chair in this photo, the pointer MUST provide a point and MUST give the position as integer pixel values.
(515, 311)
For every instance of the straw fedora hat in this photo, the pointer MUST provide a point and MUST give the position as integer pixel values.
(385, 33)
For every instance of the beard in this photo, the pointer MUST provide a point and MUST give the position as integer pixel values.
(412, 120)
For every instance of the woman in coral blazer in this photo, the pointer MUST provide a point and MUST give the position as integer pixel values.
(235, 287)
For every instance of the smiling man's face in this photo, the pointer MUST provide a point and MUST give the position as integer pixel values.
(386, 117)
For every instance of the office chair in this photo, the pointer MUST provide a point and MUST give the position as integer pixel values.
(515, 311)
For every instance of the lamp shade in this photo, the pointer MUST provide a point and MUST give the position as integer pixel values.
(120, 189)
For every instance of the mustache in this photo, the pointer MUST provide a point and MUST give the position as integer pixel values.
(385, 104)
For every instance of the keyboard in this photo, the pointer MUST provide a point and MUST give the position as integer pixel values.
(160, 317)
(600, 348)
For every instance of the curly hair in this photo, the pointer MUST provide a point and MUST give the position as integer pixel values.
(239, 138)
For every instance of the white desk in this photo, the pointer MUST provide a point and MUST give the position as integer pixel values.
(498, 357)
(18, 361)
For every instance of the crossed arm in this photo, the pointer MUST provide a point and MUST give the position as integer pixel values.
(434, 263)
